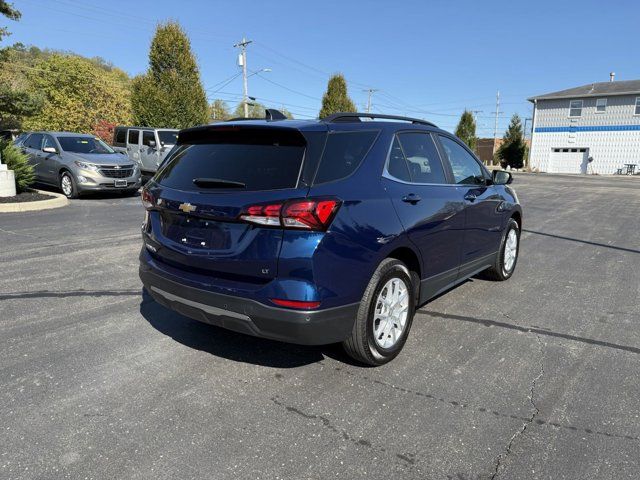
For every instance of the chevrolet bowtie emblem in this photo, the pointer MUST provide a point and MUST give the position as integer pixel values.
(187, 207)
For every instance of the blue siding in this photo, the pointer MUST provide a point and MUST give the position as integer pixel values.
(590, 128)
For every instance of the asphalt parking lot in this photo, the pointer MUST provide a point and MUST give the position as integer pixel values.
(533, 378)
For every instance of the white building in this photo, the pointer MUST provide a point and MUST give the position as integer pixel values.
(599, 120)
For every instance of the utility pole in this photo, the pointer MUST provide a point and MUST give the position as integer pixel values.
(371, 92)
(242, 61)
(495, 125)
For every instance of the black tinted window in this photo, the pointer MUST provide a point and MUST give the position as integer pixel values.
(343, 153)
(121, 135)
(133, 136)
(34, 141)
(465, 168)
(168, 137)
(422, 158)
(397, 166)
(147, 138)
(259, 161)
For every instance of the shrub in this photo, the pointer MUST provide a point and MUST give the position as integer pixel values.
(17, 161)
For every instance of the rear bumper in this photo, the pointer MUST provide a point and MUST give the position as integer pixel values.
(318, 327)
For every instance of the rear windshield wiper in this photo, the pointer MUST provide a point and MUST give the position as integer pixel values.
(217, 183)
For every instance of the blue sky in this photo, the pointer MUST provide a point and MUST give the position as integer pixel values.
(429, 59)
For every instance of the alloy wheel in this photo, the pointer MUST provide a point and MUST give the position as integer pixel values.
(510, 250)
(391, 312)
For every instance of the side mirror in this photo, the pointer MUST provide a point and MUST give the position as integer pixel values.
(50, 150)
(152, 143)
(502, 177)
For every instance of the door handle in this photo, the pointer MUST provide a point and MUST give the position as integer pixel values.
(412, 198)
(470, 197)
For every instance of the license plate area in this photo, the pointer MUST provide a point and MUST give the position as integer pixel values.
(195, 232)
(119, 183)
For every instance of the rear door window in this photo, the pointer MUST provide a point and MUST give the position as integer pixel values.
(133, 137)
(343, 154)
(258, 159)
(422, 157)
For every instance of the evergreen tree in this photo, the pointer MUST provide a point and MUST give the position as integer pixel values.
(513, 149)
(466, 130)
(17, 161)
(336, 98)
(219, 111)
(170, 94)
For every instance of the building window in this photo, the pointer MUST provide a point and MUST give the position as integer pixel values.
(637, 105)
(601, 105)
(575, 108)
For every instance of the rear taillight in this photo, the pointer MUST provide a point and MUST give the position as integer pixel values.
(263, 214)
(306, 214)
(147, 199)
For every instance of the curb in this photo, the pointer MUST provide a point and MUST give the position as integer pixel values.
(57, 202)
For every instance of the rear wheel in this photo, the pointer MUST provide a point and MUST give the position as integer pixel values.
(385, 315)
(507, 257)
(68, 185)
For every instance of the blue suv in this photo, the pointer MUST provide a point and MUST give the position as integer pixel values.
(323, 231)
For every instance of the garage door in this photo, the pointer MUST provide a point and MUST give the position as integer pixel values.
(568, 160)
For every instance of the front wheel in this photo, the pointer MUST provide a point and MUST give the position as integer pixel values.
(507, 257)
(385, 315)
(68, 185)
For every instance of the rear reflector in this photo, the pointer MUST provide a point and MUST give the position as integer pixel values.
(296, 304)
(307, 214)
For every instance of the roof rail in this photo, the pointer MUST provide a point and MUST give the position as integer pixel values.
(355, 117)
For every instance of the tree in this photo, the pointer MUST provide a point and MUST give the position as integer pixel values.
(18, 162)
(336, 98)
(104, 129)
(14, 103)
(8, 11)
(256, 110)
(513, 149)
(466, 130)
(78, 93)
(219, 111)
(170, 94)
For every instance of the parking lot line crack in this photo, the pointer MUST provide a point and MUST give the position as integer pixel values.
(534, 413)
(408, 460)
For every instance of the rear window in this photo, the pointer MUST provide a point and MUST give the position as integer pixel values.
(121, 135)
(261, 160)
(343, 154)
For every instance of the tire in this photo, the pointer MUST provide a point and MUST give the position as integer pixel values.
(370, 342)
(68, 185)
(499, 271)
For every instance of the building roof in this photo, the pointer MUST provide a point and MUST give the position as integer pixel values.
(625, 87)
